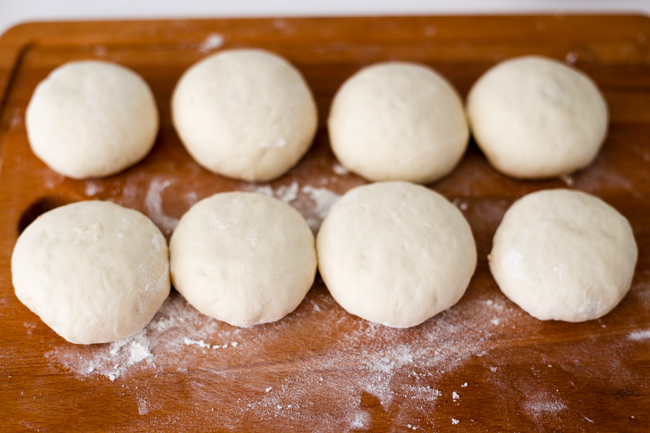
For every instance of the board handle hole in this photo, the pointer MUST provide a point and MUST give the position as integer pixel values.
(38, 208)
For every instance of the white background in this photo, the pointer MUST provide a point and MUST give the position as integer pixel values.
(13, 12)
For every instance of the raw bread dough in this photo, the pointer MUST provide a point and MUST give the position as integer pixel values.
(93, 271)
(536, 118)
(563, 255)
(244, 258)
(92, 119)
(246, 114)
(395, 253)
(398, 121)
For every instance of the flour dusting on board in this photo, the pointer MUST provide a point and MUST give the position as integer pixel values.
(542, 405)
(312, 202)
(212, 42)
(93, 188)
(285, 193)
(108, 360)
(323, 200)
(381, 362)
(154, 202)
(639, 335)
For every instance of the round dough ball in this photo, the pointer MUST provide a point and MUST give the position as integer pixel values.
(398, 121)
(563, 255)
(91, 119)
(93, 271)
(395, 253)
(243, 258)
(537, 118)
(246, 114)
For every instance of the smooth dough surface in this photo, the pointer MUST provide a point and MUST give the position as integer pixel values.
(94, 272)
(398, 121)
(246, 114)
(243, 258)
(535, 117)
(563, 255)
(92, 119)
(395, 253)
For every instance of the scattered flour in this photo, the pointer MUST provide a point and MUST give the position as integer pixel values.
(460, 204)
(93, 188)
(339, 169)
(381, 363)
(360, 420)
(571, 57)
(322, 199)
(544, 405)
(108, 360)
(288, 193)
(264, 189)
(285, 193)
(313, 203)
(191, 198)
(639, 335)
(212, 42)
(154, 203)
(51, 179)
(253, 237)
(143, 406)
(199, 343)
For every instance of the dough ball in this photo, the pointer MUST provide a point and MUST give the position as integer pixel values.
(398, 121)
(395, 253)
(246, 114)
(537, 118)
(93, 271)
(91, 119)
(243, 258)
(563, 255)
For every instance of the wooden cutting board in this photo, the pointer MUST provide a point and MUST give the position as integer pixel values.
(483, 365)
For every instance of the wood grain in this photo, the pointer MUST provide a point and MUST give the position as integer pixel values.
(483, 365)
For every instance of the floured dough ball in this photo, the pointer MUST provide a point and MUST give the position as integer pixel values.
(395, 253)
(246, 114)
(243, 258)
(564, 255)
(91, 119)
(93, 271)
(537, 118)
(398, 121)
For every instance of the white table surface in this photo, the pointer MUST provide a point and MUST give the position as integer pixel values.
(13, 12)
